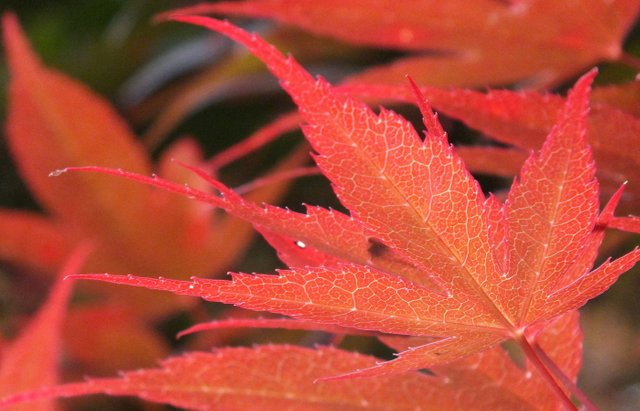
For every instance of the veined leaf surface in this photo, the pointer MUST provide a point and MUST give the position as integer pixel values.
(480, 282)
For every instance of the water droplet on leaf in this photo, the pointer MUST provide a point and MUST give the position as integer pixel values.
(59, 172)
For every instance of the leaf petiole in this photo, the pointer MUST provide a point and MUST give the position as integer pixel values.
(545, 373)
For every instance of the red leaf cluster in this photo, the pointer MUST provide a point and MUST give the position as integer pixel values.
(480, 292)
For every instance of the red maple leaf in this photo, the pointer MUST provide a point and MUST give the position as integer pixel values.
(423, 252)
(290, 377)
(462, 43)
(522, 120)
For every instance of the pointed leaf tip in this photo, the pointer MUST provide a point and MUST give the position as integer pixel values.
(9, 24)
(553, 207)
(612, 204)
(429, 118)
(18, 50)
(582, 88)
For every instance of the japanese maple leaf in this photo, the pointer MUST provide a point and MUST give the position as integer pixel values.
(290, 377)
(423, 252)
(437, 68)
(462, 43)
(522, 120)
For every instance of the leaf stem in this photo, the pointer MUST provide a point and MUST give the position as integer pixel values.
(545, 373)
(282, 125)
(577, 392)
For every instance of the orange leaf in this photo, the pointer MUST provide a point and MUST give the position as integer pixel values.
(281, 377)
(54, 122)
(32, 240)
(523, 119)
(475, 43)
(481, 272)
(288, 377)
